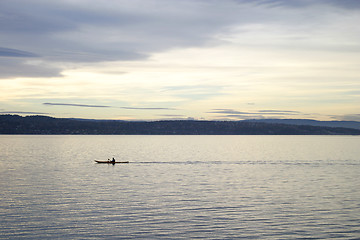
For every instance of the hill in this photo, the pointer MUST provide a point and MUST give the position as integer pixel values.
(310, 122)
(14, 124)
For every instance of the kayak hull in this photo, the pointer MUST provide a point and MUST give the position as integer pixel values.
(110, 162)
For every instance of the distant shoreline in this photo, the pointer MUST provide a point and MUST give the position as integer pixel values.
(43, 125)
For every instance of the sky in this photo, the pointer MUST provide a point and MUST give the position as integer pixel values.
(181, 59)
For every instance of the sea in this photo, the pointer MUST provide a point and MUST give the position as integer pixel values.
(179, 187)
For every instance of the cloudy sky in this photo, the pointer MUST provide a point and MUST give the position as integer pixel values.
(180, 59)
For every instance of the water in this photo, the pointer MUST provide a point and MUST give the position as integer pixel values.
(180, 187)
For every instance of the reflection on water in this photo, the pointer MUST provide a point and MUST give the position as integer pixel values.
(214, 187)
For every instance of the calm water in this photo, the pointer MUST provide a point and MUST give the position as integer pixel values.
(180, 187)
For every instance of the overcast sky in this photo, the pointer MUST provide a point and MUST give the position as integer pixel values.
(181, 59)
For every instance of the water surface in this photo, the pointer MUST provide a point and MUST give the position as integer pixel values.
(180, 187)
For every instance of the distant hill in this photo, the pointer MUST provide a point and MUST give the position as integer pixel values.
(14, 124)
(343, 124)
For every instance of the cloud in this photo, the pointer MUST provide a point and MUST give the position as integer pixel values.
(103, 106)
(353, 92)
(9, 52)
(20, 112)
(171, 115)
(278, 112)
(76, 105)
(147, 108)
(18, 63)
(227, 111)
(15, 67)
(260, 114)
(241, 116)
(168, 117)
(110, 30)
(347, 4)
(94, 31)
(280, 3)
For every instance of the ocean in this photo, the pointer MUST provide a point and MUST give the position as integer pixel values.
(179, 187)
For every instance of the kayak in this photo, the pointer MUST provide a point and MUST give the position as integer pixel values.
(110, 162)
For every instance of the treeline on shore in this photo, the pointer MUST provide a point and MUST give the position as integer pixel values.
(15, 124)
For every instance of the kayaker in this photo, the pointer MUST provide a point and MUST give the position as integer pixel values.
(113, 160)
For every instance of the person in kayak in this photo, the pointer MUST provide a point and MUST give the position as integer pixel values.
(113, 160)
